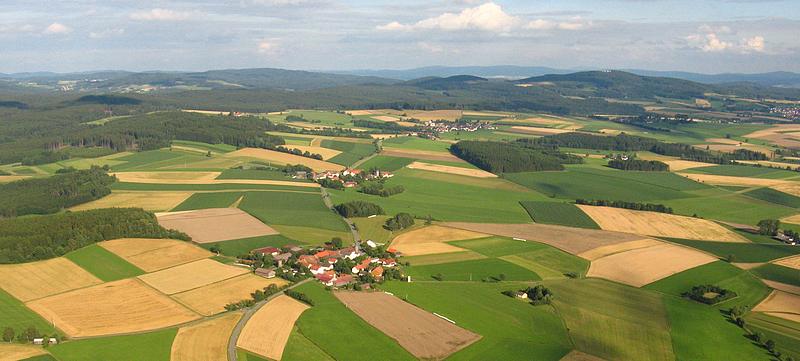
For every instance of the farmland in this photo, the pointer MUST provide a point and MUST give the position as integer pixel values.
(559, 213)
(103, 264)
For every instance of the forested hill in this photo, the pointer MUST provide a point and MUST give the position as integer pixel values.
(50, 195)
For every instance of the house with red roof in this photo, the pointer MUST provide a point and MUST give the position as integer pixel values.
(265, 251)
(377, 272)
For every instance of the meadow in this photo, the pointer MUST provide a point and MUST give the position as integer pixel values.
(209, 200)
(742, 252)
(386, 163)
(103, 264)
(563, 214)
(416, 143)
(745, 171)
(262, 174)
(19, 317)
(777, 273)
(351, 152)
(487, 269)
(785, 333)
(773, 196)
(155, 346)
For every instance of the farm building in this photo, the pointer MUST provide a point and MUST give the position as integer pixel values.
(265, 251)
(265, 272)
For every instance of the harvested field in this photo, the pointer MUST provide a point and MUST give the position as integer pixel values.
(361, 112)
(792, 188)
(450, 115)
(385, 118)
(326, 153)
(782, 287)
(284, 158)
(149, 201)
(733, 181)
(784, 135)
(642, 266)
(211, 299)
(568, 239)
(730, 145)
(659, 224)
(191, 275)
(206, 177)
(538, 130)
(155, 254)
(478, 173)
(791, 262)
(781, 304)
(420, 154)
(16, 352)
(422, 333)
(488, 114)
(28, 281)
(268, 330)
(678, 165)
(383, 136)
(111, 308)
(601, 252)
(431, 240)
(215, 224)
(207, 341)
(11, 178)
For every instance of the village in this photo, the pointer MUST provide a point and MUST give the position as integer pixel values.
(348, 178)
(332, 265)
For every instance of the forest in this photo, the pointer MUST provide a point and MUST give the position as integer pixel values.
(650, 207)
(638, 165)
(28, 239)
(52, 194)
(497, 157)
(358, 209)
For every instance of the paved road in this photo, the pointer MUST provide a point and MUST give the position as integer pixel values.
(248, 313)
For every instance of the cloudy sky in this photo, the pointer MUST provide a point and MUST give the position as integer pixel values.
(710, 36)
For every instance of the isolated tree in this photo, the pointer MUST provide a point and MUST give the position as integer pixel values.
(768, 227)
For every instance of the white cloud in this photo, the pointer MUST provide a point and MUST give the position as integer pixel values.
(106, 33)
(572, 24)
(56, 29)
(710, 40)
(159, 14)
(486, 17)
(431, 48)
(755, 43)
(267, 47)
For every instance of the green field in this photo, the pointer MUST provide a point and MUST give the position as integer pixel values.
(152, 346)
(329, 322)
(416, 143)
(299, 348)
(351, 152)
(208, 200)
(103, 264)
(242, 246)
(593, 183)
(700, 332)
(550, 262)
(777, 273)
(154, 159)
(613, 321)
(372, 228)
(744, 171)
(448, 257)
(386, 163)
(300, 216)
(15, 315)
(449, 197)
(563, 214)
(749, 289)
(243, 355)
(45, 357)
(124, 186)
(260, 174)
(473, 270)
(511, 329)
(785, 333)
(742, 252)
(723, 205)
(214, 148)
(498, 246)
(773, 196)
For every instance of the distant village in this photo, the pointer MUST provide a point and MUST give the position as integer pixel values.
(348, 178)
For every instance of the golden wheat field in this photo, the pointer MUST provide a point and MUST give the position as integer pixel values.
(28, 281)
(155, 254)
(205, 341)
(268, 330)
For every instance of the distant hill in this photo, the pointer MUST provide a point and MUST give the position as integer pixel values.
(777, 79)
(618, 84)
(451, 82)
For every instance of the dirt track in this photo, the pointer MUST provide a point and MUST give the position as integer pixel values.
(422, 333)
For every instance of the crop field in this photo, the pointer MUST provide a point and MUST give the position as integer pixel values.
(268, 330)
(733, 181)
(658, 224)
(386, 163)
(425, 155)
(563, 214)
(204, 341)
(498, 246)
(155, 159)
(326, 153)
(280, 158)
(152, 346)
(263, 174)
(208, 200)
(591, 183)
(510, 329)
(742, 252)
(102, 263)
(537, 130)
(782, 305)
(16, 352)
(549, 263)
(423, 334)
(191, 275)
(29, 281)
(785, 333)
(349, 152)
(641, 266)
(791, 262)
(603, 251)
(431, 240)
(214, 148)
(201, 178)
(299, 348)
(571, 240)
(289, 214)
(612, 321)
(215, 224)
(442, 258)
(777, 273)
(19, 317)
(722, 205)
(474, 270)
(111, 308)
(155, 254)
(744, 171)
(478, 173)
(372, 228)
(149, 201)
(773, 196)
(245, 245)
(212, 298)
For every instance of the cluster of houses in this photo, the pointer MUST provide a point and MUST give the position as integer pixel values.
(446, 126)
(321, 263)
(786, 112)
(348, 177)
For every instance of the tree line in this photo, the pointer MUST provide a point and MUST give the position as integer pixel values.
(650, 207)
(380, 189)
(28, 239)
(499, 157)
(639, 165)
(358, 209)
(52, 194)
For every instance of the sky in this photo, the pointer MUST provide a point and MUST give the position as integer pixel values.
(707, 36)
